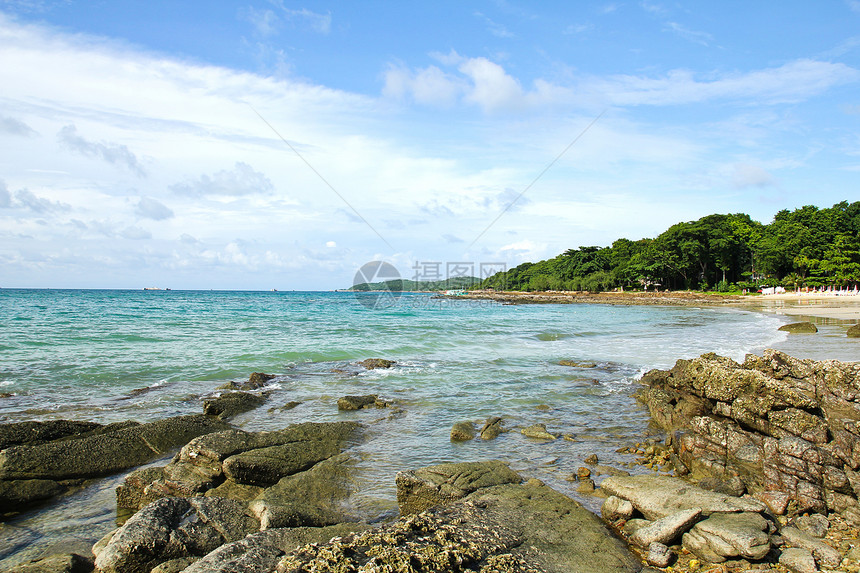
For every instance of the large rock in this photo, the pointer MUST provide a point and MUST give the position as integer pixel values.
(18, 433)
(823, 553)
(18, 493)
(799, 328)
(65, 563)
(657, 497)
(462, 432)
(373, 363)
(313, 498)
(172, 528)
(724, 536)
(783, 429)
(104, 453)
(260, 552)
(854, 331)
(236, 462)
(421, 489)
(511, 527)
(231, 404)
(667, 529)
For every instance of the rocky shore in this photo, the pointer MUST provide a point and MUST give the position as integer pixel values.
(674, 298)
(758, 468)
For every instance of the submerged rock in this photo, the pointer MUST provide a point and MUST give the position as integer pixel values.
(360, 402)
(538, 432)
(854, 331)
(65, 563)
(462, 432)
(373, 363)
(492, 428)
(799, 328)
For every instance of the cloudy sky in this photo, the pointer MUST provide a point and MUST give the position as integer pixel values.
(282, 144)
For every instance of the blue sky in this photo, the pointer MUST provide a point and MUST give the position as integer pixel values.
(138, 140)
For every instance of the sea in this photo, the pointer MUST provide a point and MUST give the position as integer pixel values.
(112, 355)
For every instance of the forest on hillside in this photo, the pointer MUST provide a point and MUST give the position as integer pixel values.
(806, 247)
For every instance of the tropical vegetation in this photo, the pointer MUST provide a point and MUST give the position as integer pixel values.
(806, 247)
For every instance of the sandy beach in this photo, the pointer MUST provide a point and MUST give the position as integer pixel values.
(840, 308)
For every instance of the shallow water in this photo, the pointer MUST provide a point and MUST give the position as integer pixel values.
(116, 355)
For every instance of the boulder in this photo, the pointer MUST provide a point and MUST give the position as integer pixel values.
(236, 463)
(510, 527)
(797, 560)
(373, 363)
(783, 429)
(725, 536)
(312, 498)
(66, 563)
(538, 432)
(814, 524)
(667, 529)
(357, 402)
(823, 553)
(462, 432)
(660, 496)
(175, 565)
(615, 508)
(854, 331)
(17, 494)
(420, 489)
(231, 404)
(173, 528)
(18, 433)
(799, 328)
(492, 428)
(659, 555)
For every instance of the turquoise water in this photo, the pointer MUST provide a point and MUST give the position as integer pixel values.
(143, 355)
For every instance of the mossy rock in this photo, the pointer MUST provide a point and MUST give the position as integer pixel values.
(799, 328)
(854, 331)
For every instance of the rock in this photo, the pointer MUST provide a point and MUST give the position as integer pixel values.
(667, 529)
(576, 364)
(260, 552)
(266, 466)
(728, 535)
(69, 563)
(16, 494)
(510, 527)
(797, 560)
(854, 331)
(313, 498)
(19, 433)
(659, 555)
(356, 402)
(237, 464)
(421, 489)
(462, 432)
(175, 565)
(586, 486)
(538, 432)
(256, 381)
(591, 459)
(492, 428)
(785, 429)
(823, 553)
(173, 528)
(102, 453)
(373, 363)
(609, 470)
(660, 496)
(815, 524)
(799, 328)
(232, 404)
(615, 508)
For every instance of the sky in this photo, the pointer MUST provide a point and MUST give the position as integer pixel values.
(265, 144)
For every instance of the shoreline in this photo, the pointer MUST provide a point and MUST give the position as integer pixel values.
(840, 308)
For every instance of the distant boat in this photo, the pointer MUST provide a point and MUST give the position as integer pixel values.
(151, 288)
(274, 290)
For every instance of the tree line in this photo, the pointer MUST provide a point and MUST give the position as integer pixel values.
(806, 247)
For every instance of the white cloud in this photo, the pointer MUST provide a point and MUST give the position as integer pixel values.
(239, 181)
(749, 175)
(331, 244)
(5, 196)
(150, 208)
(135, 233)
(13, 126)
(110, 152)
(702, 38)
